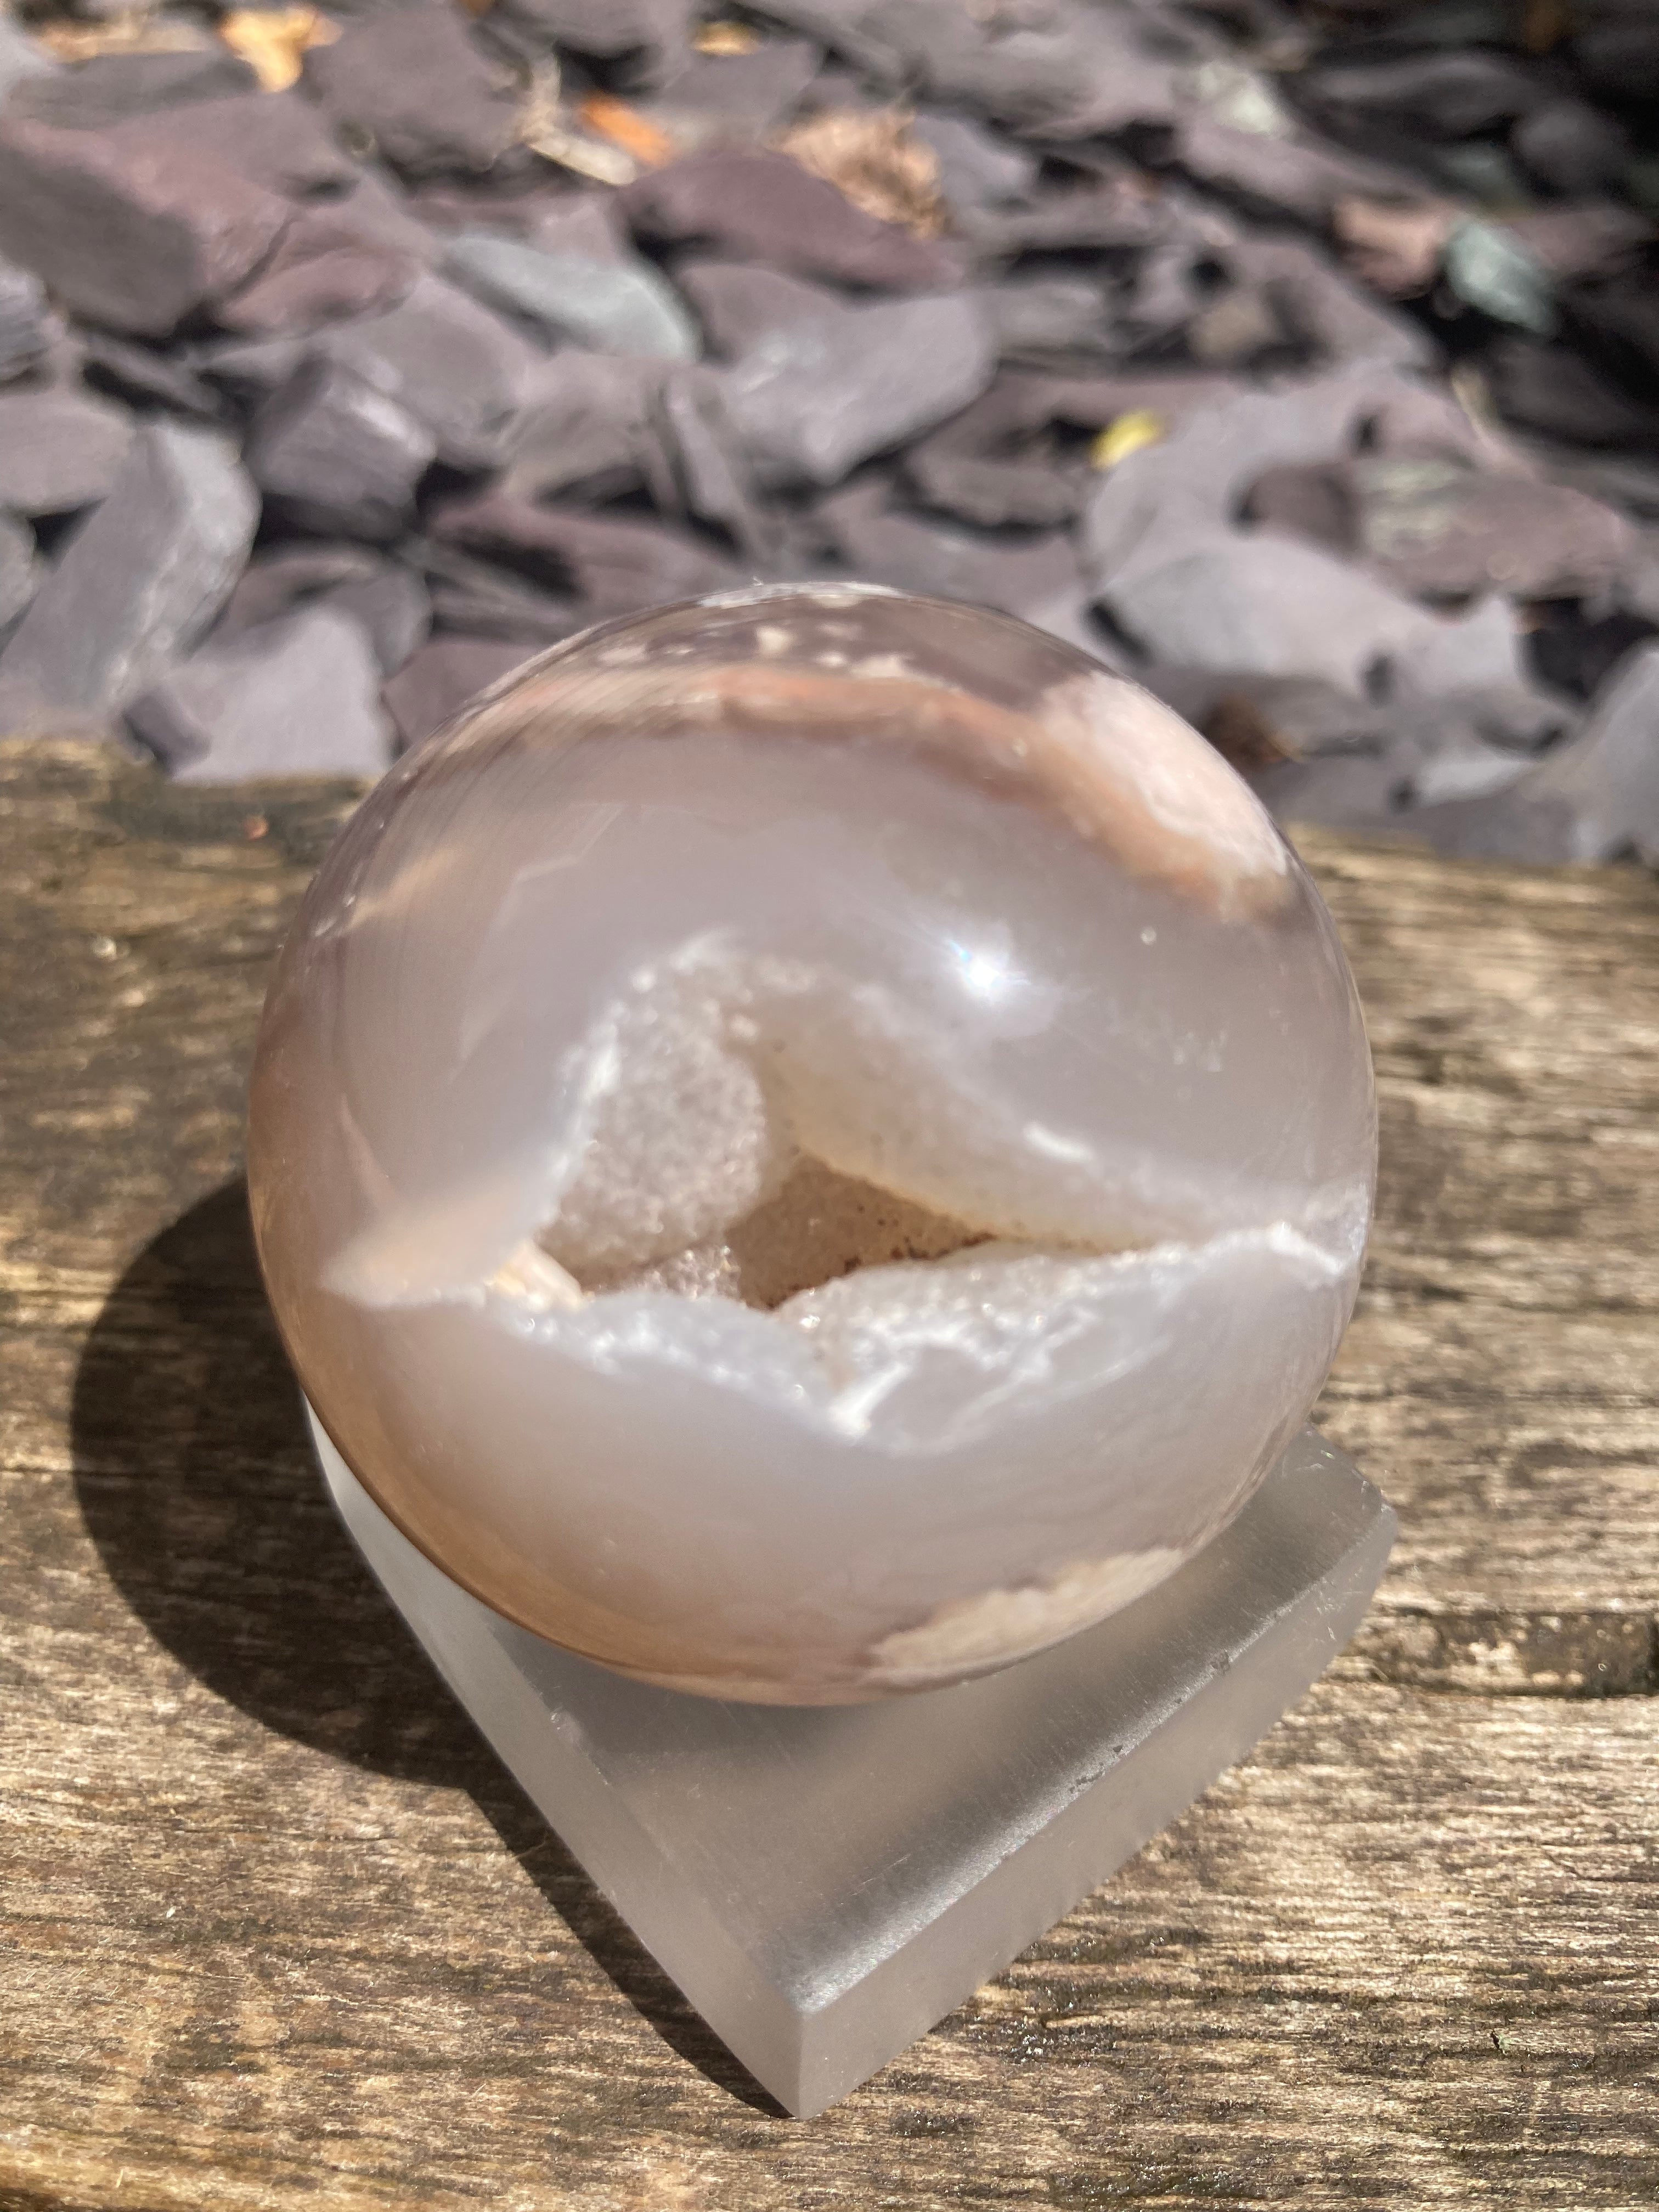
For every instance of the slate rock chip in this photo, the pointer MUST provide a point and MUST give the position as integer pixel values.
(440, 677)
(458, 368)
(976, 170)
(589, 429)
(147, 377)
(819, 385)
(734, 98)
(765, 207)
(26, 323)
(1036, 579)
(136, 238)
(20, 57)
(386, 600)
(1570, 147)
(332, 452)
(648, 42)
(1607, 779)
(140, 582)
(325, 268)
(277, 140)
(612, 306)
(482, 599)
(110, 88)
(1436, 528)
(613, 564)
(298, 696)
(20, 573)
(60, 450)
(414, 84)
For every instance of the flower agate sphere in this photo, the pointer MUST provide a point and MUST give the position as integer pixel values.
(811, 1145)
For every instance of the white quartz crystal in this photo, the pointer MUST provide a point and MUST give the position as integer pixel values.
(811, 1145)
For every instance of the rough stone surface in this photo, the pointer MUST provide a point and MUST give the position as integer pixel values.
(766, 207)
(335, 452)
(140, 374)
(1608, 777)
(589, 426)
(611, 564)
(326, 267)
(622, 307)
(278, 140)
(58, 450)
(648, 40)
(284, 699)
(140, 582)
(456, 367)
(819, 386)
(110, 88)
(437, 682)
(386, 600)
(416, 88)
(24, 323)
(20, 573)
(136, 238)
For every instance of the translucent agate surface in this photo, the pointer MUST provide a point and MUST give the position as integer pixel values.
(811, 1145)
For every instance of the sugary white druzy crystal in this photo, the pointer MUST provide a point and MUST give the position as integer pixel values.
(811, 1145)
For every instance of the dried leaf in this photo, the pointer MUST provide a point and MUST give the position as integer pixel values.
(624, 126)
(723, 39)
(271, 40)
(135, 31)
(875, 162)
(1126, 434)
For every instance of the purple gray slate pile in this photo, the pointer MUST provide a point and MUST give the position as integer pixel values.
(1300, 360)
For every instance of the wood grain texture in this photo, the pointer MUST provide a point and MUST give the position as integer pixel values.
(275, 1931)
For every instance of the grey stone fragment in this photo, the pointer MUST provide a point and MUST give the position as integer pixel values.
(387, 601)
(136, 239)
(1062, 69)
(1038, 579)
(20, 57)
(139, 582)
(1275, 607)
(299, 696)
(1047, 314)
(58, 450)
(1571, 146)
(415, 84)
(613, 564)
(588, 225)
(588, 429)
(334, 452)
(440, 677)
(455, 366)
(1078, 219)
(277, 140)
(377, 208)
(975, 169)
(621, 307)
(26, 324)
(1555, 390)
(766, 207)
(1279, 177)
(324, 268)
(1607, 778)
(480, 599)
(146, 378)
(1448, 95)
(711, 471)
(20, 575)
(1334, 316)
(735, 99)
(821, 385)
(105, 90)
(650, 37)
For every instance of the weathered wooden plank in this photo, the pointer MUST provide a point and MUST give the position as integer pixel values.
(273, 1928)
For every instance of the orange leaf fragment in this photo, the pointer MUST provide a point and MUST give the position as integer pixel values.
(626, 127)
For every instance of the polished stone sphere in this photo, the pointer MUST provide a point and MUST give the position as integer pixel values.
(811, 1145)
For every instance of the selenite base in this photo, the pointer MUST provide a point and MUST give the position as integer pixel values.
(826, 1882)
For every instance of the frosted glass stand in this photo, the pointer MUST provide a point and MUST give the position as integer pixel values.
(824, 1883)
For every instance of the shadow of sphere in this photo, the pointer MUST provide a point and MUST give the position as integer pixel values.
(195, 1479)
